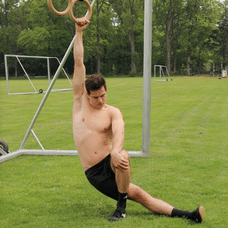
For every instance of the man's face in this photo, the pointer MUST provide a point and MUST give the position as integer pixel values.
(97, 98)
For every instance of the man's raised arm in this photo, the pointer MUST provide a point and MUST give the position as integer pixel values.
(79, 67)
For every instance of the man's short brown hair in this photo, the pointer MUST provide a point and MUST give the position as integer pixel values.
(95, 82)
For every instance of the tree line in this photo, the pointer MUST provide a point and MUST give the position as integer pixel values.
(188, 36)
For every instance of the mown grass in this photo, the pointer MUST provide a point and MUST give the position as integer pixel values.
(188, 165)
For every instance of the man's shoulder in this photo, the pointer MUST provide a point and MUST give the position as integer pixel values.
(112, 108)
(114, 111)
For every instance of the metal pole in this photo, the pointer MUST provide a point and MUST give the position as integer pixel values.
(50, 87)
(64, 72)
(160, 72)
(154, 72)
(36, 138)
(29, 56)
(147, 77)
(7, 74)
(48, 71)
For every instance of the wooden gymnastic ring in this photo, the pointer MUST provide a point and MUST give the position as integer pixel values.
(71, 10)
(52, 8)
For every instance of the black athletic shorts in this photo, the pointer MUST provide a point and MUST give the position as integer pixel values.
(102, 178)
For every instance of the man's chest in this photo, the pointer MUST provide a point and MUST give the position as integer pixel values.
(96, 121)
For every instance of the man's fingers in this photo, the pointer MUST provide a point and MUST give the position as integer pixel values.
(124, 165)
(120, 163)
(125, 162)
(123, 169)
(82, 21)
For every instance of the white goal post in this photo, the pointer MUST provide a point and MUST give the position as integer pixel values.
(162, 72)
(26, 74)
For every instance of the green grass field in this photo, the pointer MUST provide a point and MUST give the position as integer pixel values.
(188, 162)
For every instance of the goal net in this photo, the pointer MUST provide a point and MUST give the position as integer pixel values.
(161, 73)
(29, 86)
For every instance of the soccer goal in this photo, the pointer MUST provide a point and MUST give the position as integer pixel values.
(34, 90)
(162, 73)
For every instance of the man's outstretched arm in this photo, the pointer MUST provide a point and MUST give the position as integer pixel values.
(79, 67)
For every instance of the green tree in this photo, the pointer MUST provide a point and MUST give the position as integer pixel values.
(223, 33)
(9, 29)
(48, 34)
(173, 14)
(129, 13)
(196, 34)
(104, 33)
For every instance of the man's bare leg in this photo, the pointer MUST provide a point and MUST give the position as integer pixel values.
(123, 178)
(137, 194)
(161, 207)
(157, 206)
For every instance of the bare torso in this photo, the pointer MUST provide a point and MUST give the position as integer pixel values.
(92, 132)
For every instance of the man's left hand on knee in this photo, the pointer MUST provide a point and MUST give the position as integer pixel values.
(119, 162)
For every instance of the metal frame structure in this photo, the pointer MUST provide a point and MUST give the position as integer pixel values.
(26, 74)
(146, 99)
(161, 73)
(2, 152)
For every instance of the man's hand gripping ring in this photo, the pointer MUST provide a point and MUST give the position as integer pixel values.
(69, 9)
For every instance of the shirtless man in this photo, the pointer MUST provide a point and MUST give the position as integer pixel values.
(98, 131)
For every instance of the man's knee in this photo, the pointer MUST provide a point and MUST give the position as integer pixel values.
(125, 155)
